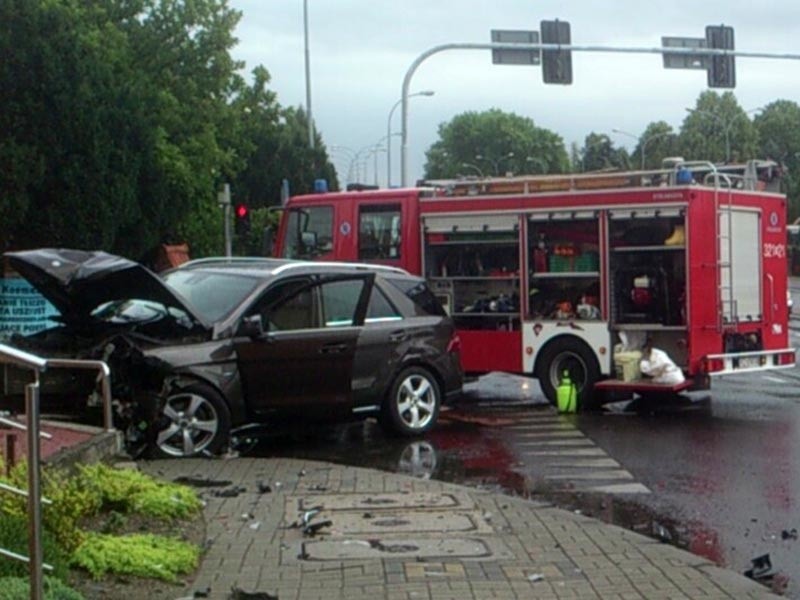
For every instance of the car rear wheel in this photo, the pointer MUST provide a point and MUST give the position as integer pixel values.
(193, 421)
(412, 406)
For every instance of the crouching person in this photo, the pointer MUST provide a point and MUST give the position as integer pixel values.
(658, 366)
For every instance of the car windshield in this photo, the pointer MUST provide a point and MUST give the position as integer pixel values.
(212, 295)
(139, 311)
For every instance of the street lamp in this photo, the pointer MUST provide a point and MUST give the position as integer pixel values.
(348, 154)
(642, 143)
(308, 78)
(726, 124)
(495, 163)
(471, 166)
(541, 162)
(389, 134)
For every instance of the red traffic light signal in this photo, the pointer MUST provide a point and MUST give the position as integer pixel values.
(242, 212)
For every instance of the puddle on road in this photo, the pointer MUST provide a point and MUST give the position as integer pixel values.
(469, 448)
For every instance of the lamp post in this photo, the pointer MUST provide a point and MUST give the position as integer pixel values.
(725, 123)
(349, 154)
(495, 163)
(389, 134)
(308, 78)
(471, 166)
(541, 162)
(375, 150)
(642, 143)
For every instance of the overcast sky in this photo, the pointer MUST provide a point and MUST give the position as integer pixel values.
(361, 50)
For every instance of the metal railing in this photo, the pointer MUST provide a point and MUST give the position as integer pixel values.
(38, 365)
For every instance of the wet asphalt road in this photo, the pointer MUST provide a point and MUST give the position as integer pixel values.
(719, 476)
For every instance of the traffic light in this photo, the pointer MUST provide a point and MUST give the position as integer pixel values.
(721, 69)
(556, 64)
(242, 214)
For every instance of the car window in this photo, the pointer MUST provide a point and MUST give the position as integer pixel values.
(340, 301)
(421, 295)
(301, 304)
(212, 295)
(380, 309)
(309, 232)
(379, 232)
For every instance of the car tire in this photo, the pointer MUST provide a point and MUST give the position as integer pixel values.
(574, 356)
(193, 421)
(412, 406)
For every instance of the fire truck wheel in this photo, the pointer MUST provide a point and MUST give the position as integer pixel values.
(570, 355)
(412, 406)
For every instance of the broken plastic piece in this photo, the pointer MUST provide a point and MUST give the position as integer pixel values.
(761, 568)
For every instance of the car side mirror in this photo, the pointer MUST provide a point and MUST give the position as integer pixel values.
(253, 327)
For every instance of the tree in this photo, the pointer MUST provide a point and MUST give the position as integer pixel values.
(717, 129)
(494, 142)
(599, 154)
(658, 141)
(778, 128)
(113, 122)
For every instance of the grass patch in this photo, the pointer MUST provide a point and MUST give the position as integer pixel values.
(143, 555)
(115, 499)
(18, 588)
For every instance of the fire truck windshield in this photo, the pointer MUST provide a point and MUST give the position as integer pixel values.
(309, 232)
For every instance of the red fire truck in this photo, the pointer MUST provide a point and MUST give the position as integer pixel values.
(544, 274)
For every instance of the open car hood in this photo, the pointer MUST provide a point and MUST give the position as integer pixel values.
(76, 281)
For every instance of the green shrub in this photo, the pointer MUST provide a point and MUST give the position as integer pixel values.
(128, 490)
(71, 502)
(14, 537)
(18, 588)
(141, 555)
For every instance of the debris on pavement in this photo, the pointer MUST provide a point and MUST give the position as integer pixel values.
(789, 534)
(240, 594)
(661, 532)
(231, 492)
(535, 577)
(264, 487)
(313, 528)
(761, 568)
(201, 482)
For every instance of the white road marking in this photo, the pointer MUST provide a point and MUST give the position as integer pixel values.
(583, 463)
(568, 452)
(621, 488)
(551, 442)
(616, 474)
(774, 379)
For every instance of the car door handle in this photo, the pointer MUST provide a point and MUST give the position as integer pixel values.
(333, 348)
(397, 336)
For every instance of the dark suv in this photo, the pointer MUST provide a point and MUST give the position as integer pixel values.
(208, 350)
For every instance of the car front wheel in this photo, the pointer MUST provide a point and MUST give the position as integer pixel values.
(193, 421)
(412, 406)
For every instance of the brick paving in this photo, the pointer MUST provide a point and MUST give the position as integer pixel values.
(515, 548)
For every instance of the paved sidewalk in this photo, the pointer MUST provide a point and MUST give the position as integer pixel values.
(395, 537)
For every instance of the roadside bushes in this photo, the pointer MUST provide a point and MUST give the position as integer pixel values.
(99, 494)
(18, 588)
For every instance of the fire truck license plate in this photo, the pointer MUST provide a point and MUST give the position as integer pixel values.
(749, 362)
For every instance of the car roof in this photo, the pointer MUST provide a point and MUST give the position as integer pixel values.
(268, 267)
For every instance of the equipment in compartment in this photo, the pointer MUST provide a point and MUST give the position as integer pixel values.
(642, 296)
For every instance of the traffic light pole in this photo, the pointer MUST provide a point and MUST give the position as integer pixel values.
(507, 46)
(224, 199)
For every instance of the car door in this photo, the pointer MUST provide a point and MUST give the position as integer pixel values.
(303, 361)
(381, 347)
